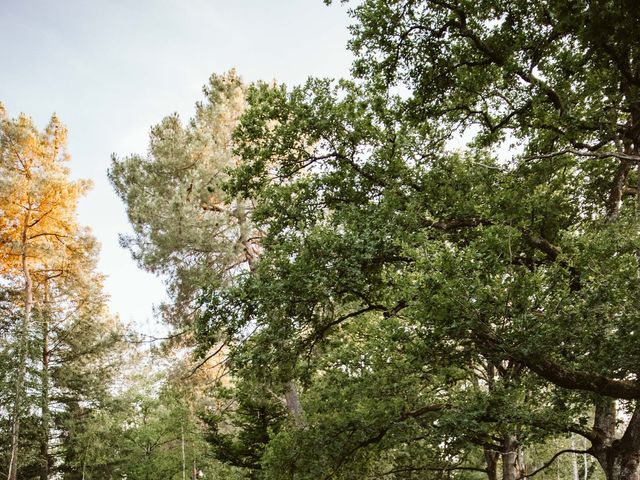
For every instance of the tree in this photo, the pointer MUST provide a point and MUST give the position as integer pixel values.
(149, 429)
(184, 226)
(63, 337)
(562, 80)
(188, 229)
(241, 426)
(38, 205)
(522, 260)
(85, 353)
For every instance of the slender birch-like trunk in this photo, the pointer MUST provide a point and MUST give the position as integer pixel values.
(184, 463)
(22, 356)
(574, 459)
(46, 414)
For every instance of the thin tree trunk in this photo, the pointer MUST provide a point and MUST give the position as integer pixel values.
(574, 459)
(585, 460)
(22, 357)
(292, 401)
(46, 414)
(184, 463)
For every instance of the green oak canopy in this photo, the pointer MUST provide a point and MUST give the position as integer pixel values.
(476, 183)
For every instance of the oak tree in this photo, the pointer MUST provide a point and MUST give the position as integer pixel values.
(515, 252)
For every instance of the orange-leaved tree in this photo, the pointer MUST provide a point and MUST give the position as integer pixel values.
(38, 228)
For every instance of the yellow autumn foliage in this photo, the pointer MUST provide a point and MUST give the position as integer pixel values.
(37, 199)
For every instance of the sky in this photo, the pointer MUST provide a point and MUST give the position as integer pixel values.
(110, 69)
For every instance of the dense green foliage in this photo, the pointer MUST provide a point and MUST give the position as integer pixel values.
(149, 430)
(480, 298)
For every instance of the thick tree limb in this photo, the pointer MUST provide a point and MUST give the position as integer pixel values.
(576, 380)
(560, 375)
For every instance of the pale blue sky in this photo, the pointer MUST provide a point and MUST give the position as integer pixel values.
(112, 68)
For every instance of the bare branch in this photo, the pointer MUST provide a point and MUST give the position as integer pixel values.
(205, 360)
(546, 465)
(582, 153)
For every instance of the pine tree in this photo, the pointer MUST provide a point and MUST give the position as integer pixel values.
(63, 333)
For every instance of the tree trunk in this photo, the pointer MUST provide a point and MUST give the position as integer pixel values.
(46, 414)
(618, 457)
(22, 358)
(586, 466)
(491, 458)
(620, 465)
(512, 465)
(292, 402)
(574, 459)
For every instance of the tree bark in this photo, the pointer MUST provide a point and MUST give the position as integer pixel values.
(512, 465)
(618, 457)
(292, 401)
(620, 466)
(574, 459)
(491, 458)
